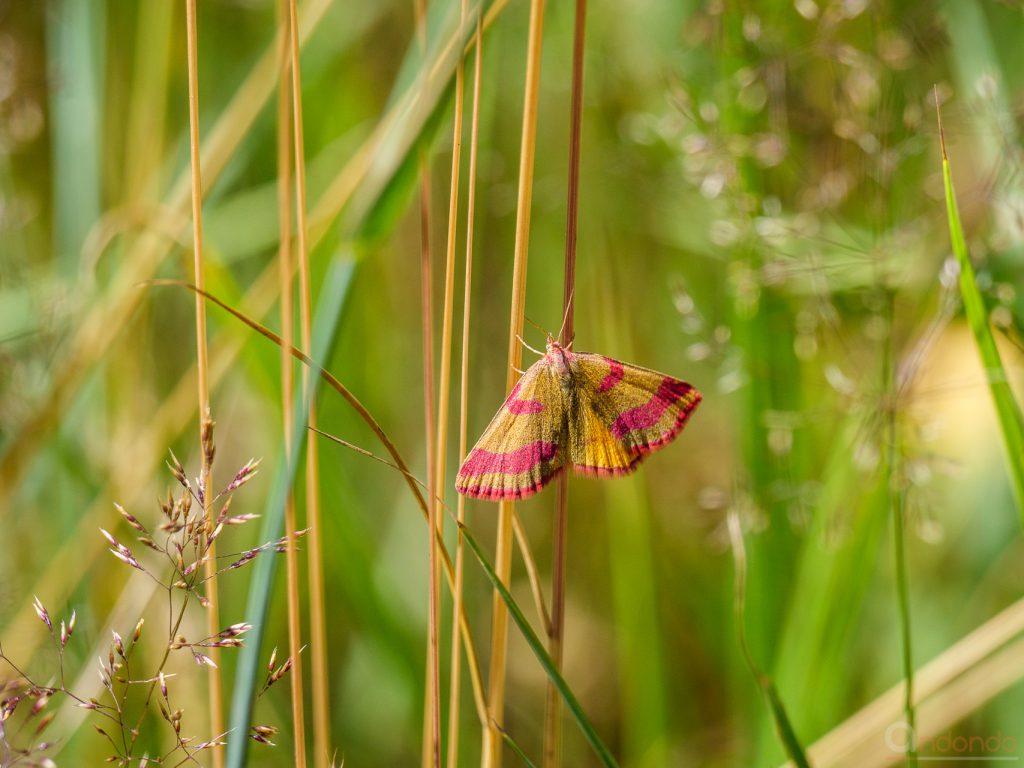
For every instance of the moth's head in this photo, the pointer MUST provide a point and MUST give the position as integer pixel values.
(558, 356)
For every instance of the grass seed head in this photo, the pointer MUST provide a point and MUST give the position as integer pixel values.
(43, 723)
(263, 734)
(130, 518)
(179, 472)
(209, 447)
(7, 707)
(42, 613)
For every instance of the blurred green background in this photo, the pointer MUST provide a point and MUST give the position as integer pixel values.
(761, 214)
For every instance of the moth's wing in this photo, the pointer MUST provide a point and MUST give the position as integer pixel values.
(593, 450)
(523, 447)
(626, 412)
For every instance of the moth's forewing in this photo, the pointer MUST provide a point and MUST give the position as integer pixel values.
(522, 448)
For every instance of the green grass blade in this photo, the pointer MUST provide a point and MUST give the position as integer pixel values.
(575, 709)
(783, 727)
(249, 671)
(516, 748)
(1011, 423)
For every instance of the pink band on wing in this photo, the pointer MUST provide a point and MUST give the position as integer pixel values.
(519, 407)
(504, 494)
(481, 462)
(614, 376)
(647, 415)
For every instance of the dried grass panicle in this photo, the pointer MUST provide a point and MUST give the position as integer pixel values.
(263, 734)
(209, 446)
(182, 540)
(275, 674)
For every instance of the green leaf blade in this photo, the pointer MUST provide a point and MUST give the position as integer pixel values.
(1011, 422)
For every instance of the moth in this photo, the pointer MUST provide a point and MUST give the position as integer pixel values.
(578, 409)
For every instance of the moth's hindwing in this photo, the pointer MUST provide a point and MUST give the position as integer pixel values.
(626, 412)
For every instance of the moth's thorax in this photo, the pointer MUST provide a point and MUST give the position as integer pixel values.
(558, 357)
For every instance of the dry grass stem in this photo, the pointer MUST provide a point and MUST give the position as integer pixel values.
(532, 573)
(431, 753)
(312, 478)
(556, 627)
(456, 664)
(205, 419)
(444, 396)
(503, 549)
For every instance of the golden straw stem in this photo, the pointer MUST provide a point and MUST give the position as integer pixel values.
(556, 630)
(503, 548)
(431, 754)
(292, 560)
(202, 365)
(456, 667)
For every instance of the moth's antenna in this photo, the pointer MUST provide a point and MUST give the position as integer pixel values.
(542, 330)
(535, 351)
(565, 317)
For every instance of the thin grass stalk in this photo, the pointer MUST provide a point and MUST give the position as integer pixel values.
(202, 368)
(503, 547)
(431, 753)
(783, 726)
(552, 756)
(903, 597)
(444, 375)
(444, 391)
(532, 573)
(455, 682)
(287, 268)
(286, 263)
(895, 495)
(318, 632)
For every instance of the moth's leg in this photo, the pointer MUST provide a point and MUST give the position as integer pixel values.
(535, 351)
